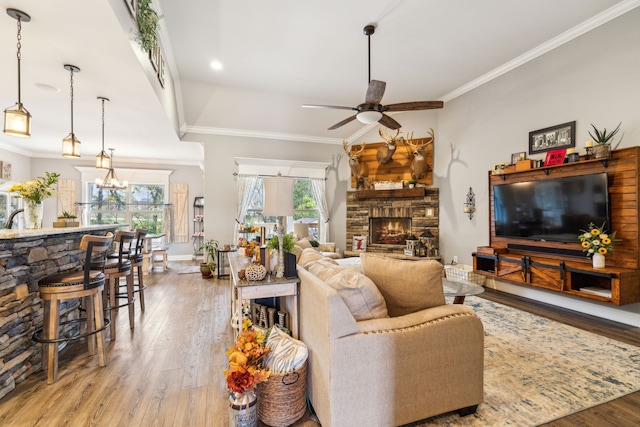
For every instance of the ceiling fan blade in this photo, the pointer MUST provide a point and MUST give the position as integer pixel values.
(389, 122)
(375, 92)
(342, 123)
(410, 106)
(334, 107)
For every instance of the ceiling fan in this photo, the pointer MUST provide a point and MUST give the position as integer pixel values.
(371, 111)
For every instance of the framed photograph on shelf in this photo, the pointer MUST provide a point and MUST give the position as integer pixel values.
(498, 168)
(359, 244)
(555, 157)
(552, 138)
(518, 156)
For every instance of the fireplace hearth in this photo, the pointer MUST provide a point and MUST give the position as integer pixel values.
(389, 231)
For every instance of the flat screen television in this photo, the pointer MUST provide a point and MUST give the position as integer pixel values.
(553, 209)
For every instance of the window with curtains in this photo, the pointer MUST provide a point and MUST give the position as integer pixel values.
(140, 205)
(304, 205)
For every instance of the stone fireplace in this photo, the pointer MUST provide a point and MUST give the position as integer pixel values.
(388, 217)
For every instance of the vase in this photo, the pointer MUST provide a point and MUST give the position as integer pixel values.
(243, 409)
(33, 215)
(602, 151)
(598, 260)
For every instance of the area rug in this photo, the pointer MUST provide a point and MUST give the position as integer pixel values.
(188, 270)
(538, 370)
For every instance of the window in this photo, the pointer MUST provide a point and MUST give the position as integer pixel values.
(304, 206)
(140, 205)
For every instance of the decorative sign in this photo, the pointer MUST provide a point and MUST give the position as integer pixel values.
(5, 170)
(359, 243)
(555, 157)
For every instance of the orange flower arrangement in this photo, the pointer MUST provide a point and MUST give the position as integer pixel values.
(245, 360)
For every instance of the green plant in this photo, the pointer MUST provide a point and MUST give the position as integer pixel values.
(210, 248)
(67, 215)
(287, 243)
(603, 137)
(148, 23)
(38, 189)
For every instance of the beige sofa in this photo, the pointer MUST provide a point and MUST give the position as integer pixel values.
(386, 371)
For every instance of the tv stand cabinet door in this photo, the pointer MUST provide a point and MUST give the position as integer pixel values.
(548, 276)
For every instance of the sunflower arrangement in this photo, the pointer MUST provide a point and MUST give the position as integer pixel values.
(597, 240)
(246, 359)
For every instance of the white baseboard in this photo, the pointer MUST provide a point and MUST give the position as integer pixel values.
(628, 314)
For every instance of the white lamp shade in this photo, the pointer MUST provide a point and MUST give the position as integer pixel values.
(278, 196)
(368, 117)
(301, 229)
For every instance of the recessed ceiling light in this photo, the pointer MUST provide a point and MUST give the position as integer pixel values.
(216, 65)
(47, 87)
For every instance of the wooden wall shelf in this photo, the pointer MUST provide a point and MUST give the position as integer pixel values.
(390, 194)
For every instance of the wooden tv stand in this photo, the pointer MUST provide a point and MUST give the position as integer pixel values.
(562, 267)
(612, 285)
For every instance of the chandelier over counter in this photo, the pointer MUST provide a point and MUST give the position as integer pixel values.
(71, 144)
(17, 120)
(111, 182)
(102, 159)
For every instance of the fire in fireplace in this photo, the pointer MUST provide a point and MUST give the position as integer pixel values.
(389, 231)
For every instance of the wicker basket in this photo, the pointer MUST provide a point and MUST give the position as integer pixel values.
(463, 273)
(282, 399)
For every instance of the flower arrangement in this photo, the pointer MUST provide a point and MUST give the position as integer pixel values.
(249, 228)
(38, 189)
(597, 240)
(246, 359)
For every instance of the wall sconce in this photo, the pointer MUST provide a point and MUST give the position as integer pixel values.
(71, 144)
(470, 204)
(17, 120)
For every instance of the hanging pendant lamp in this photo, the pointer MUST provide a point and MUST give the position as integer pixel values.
(71, 144)
(111, 182)
(17, 120)
(102, 159)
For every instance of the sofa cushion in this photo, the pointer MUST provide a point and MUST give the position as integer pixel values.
(359, 293)
(307, 256)
(327, 247)
(287, 353)
(407, 286)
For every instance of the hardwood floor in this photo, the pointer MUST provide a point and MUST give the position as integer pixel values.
(168, 371)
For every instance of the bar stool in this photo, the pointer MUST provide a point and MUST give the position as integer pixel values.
(86, 283)
(136, 256)
(114, 270)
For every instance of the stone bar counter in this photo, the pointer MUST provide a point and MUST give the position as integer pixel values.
(26, 256)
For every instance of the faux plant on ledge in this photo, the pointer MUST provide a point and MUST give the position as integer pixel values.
(148, 23)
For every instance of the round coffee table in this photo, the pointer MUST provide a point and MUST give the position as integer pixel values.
(459, 290)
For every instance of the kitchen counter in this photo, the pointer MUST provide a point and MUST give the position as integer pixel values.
(50, 231)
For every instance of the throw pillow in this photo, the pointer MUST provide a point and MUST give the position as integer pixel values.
(327, 247)
(407, 286)
(304, 243)
(287, 353)
(307, 256)
(359, 293)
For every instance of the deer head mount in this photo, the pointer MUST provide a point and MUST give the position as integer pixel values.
(359, 169)
(386, 151)
(419, 166)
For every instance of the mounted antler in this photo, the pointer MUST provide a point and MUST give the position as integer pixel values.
(358, 170)
(386, 151)
(419, 165)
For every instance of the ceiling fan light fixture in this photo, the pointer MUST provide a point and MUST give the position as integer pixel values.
(17, 119)
(368, 117)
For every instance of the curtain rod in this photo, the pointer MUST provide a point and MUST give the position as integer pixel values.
(284, 176)
(126, 204)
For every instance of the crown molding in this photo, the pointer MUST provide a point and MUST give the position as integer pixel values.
(262, 135)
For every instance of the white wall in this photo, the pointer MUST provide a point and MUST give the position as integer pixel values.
(592, 79)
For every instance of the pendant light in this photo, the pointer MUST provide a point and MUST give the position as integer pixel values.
(111, 182)
(17, 120)
(71, 144)
(102, 159)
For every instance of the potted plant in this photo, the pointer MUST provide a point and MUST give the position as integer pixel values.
(412, 183)
(210, 251)
(288, 242)
(603, 141)
(66, 220)
(148, 23)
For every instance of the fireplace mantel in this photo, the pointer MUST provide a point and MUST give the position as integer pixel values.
(390, 194)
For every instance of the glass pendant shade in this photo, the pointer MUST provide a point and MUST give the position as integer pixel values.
(17, 121)
(71, 146)
(111, 182)
(102, 160)
(368, 117)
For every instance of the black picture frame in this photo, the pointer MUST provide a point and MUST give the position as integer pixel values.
(552, 138)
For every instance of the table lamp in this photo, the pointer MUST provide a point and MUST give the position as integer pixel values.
(278, 202)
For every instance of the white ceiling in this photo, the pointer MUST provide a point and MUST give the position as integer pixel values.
(276, 54)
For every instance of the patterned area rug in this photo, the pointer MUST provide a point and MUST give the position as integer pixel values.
(538, 370)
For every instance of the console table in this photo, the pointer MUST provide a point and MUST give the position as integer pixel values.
(269, 287)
